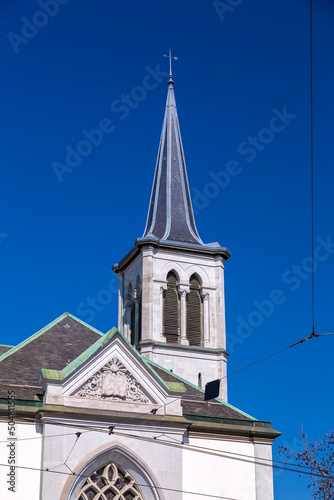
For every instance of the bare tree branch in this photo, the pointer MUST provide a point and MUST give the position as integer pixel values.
(318, 458)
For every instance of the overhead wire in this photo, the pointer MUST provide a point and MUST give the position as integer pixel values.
(309, 337)
(134, 418)
(312, 161)
(313, 335)
(195, 448)
(37, 469)
(213, 452)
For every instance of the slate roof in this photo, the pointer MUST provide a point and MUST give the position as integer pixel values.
(52, 347)
(170, 215)
(5, 348)
(193, 400)
(66, 343)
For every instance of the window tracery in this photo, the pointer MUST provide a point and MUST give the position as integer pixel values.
(108, 483)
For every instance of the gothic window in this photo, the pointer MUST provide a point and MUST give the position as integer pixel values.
(110, 482)
(194, 313)
(171, 310)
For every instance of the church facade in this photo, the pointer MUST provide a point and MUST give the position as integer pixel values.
(122, 415)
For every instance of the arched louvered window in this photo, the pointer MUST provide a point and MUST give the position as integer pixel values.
(194, 313)
(171, 311)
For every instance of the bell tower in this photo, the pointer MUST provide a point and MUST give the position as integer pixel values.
(171, 284)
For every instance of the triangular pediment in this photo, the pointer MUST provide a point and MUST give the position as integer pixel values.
(110, 375)
(113, 382)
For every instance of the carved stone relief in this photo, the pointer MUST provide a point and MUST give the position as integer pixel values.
(113, 382)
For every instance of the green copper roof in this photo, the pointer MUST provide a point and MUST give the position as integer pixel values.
(176, 386)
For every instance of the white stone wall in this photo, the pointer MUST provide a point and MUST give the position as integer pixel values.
(225, 473)
(202, 465)
(162, 464)
(27, 449)
(169, 471)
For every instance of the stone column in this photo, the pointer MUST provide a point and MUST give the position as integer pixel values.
(136, 300)
(147, 289)
(120, 304)
(206, 322)
(183, 313)
(162, 338)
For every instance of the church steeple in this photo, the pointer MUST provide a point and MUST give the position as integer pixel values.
(171, 290)
(170, 215)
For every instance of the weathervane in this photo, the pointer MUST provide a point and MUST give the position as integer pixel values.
(170, 57)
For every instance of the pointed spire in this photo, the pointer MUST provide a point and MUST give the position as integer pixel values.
(170, 215)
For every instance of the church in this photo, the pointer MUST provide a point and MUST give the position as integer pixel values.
(87, 415)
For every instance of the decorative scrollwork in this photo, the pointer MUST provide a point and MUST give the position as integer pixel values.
(114, 383)
(110, 482)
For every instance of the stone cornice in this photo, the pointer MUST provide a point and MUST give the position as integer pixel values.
(197, 424)
(154, 243)
(183, 347)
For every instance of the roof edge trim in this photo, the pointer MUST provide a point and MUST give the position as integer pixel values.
(47, 374)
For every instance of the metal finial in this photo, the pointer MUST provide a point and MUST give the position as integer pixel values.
(170, 57)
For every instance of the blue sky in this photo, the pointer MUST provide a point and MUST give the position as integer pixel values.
(243, 97)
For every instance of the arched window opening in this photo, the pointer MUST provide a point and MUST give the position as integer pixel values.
(127, 316)
(171, 310)
(200, 380)
(110, 481)
(194, 313)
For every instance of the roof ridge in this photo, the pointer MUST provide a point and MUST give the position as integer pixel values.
(67, 314)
